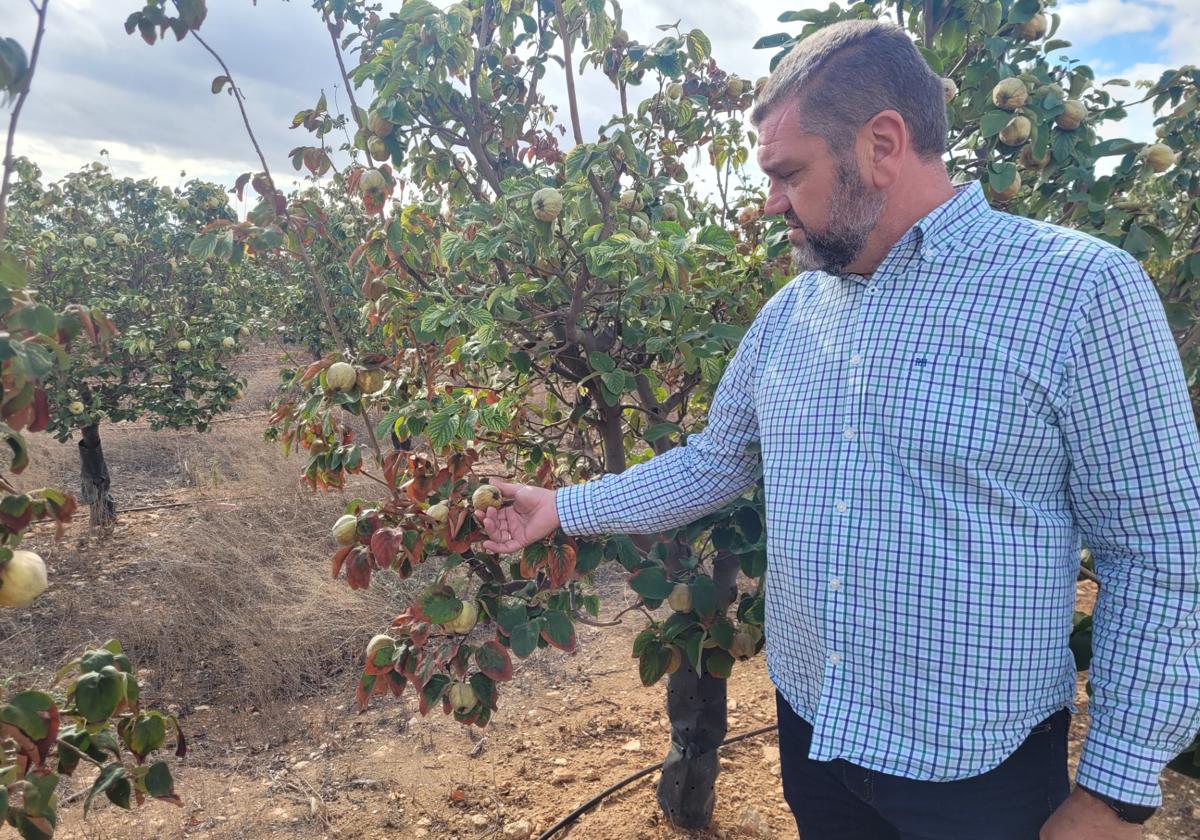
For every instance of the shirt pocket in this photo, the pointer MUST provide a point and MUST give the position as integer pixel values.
(947, 397)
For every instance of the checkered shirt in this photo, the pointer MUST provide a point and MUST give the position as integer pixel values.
(936, 442)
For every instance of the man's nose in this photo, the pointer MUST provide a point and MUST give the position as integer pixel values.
(777, 203)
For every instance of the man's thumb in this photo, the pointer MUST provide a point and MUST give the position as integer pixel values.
(507, 489)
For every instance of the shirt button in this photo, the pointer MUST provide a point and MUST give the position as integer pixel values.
(848, 433)
(835, 658)
(842, 507)
(856, 359)
(871, 289)
(835, 583)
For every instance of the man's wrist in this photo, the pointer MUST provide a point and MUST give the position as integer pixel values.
(1125, 811)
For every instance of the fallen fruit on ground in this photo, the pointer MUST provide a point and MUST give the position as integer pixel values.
(22, 579)
(183, 345)
(228, 342)
(75, 408)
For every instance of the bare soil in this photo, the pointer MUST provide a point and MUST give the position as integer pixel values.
(227, 605)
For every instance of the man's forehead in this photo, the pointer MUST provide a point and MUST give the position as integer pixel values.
(780, 136)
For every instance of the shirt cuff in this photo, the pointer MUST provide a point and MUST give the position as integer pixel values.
(576, 514)
(1126, 772)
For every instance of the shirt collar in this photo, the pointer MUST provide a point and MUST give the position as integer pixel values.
(947, 222)
(934, 232)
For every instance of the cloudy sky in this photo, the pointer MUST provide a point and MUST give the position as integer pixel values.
(150, 107)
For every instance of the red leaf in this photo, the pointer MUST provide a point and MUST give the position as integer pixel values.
(494, 661)
(338, 560)
(385, 544)
(560, 563)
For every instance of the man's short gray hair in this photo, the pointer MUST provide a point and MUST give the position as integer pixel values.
(841, 76)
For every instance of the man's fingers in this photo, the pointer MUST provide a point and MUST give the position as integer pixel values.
(507, 489)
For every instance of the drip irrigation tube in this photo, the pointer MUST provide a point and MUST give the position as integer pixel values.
(645, 771)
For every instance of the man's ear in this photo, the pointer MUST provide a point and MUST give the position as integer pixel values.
(882, 148)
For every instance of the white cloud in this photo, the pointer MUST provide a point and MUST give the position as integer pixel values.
(1088, 21)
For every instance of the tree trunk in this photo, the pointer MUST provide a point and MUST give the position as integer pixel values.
(612, 433)
(696, 707)
(94, 481)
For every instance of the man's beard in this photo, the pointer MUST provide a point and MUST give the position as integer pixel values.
(854, 209)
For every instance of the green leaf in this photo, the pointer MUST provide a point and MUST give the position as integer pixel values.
(1081, 643)
(993, 122)
(698, 46)
(693, 648)
(109, 776)
(621, 548)
(97, 694)
(769, 41)
(589, 553)
(416, 10)
(146, 734)
(717, 239)
(661, 430)
(512, 613)
(525, 638)
(653, 663)
(443, 426)
(558, 630)
(753, 563)
(601, 362)
(440, 607)
(651, 582)
(25, 711)
(159, 783)
(704, 597)
(721, 632)
(719, 663)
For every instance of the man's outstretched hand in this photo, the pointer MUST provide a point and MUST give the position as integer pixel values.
(531, 516)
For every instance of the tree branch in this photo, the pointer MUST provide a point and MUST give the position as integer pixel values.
(26, 84)
(571, 97)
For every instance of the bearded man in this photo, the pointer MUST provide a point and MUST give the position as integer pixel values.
(947, 400)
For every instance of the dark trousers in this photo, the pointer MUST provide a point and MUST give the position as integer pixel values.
(837, 800)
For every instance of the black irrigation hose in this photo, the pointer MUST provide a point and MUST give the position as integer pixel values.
(646, 771)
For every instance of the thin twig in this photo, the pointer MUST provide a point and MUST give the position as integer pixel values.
(16, 114)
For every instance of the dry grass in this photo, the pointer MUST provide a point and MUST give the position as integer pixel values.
(228, 601)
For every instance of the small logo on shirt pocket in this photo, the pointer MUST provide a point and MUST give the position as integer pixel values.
(920, 362)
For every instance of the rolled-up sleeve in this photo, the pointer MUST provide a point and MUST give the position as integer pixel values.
(1135, 490)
